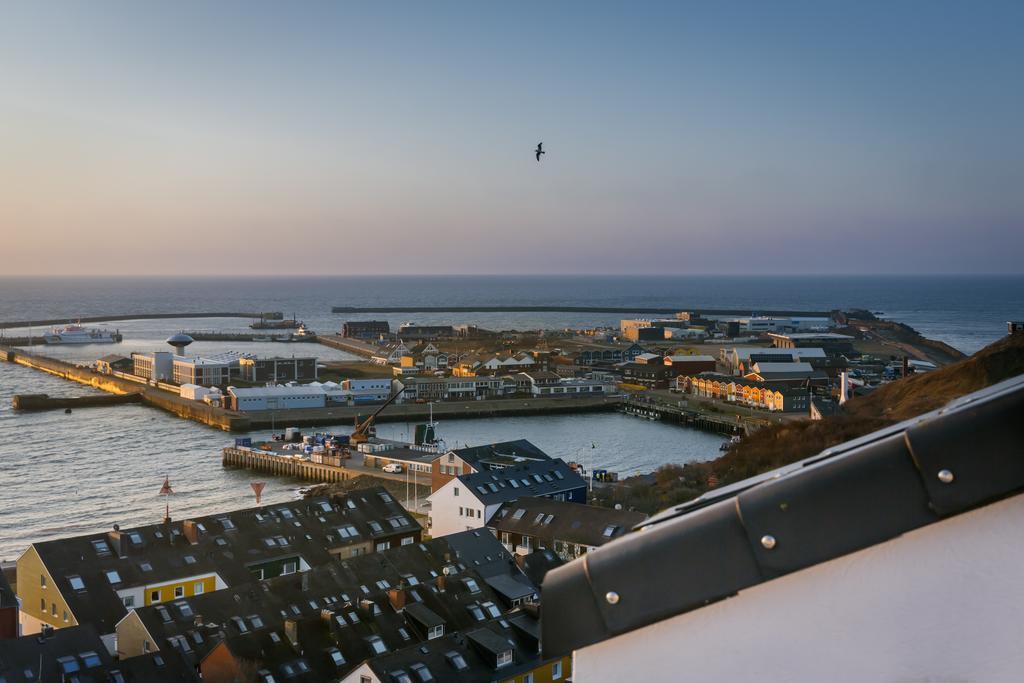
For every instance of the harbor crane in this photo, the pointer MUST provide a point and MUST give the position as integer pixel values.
(362, 432)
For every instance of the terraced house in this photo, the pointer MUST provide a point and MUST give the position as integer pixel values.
(97, 578)
(438, 610)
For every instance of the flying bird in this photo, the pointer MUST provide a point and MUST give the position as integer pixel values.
(539, 150)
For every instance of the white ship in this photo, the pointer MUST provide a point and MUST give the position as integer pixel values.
(76, 334)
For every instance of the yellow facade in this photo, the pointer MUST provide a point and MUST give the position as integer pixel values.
(41, 599)
(546, 672)
(189, 588)
(407, 362)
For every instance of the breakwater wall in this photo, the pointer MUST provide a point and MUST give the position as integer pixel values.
(443, 410)
(227, 420)
(272, 315)
(336, 341)
(574, 309)
(47, 402)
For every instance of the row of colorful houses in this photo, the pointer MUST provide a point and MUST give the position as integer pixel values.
(744, 392)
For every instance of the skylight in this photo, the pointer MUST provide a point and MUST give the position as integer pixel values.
(113, 576)
(76, 583)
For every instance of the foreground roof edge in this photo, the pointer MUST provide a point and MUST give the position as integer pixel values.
(849, 497)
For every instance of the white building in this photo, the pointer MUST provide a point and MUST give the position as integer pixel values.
(153, 365)
(194, 392)
(368, 390)
(276, 397)
(208, 370)
(470, 500)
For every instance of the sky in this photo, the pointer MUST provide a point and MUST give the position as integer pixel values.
(397, 138)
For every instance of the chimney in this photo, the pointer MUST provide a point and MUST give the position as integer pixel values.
(906, 365)
(844, 387)
(291, 632)
(198, 620)
(396, 596)
(190, 531)
(118, 542)
(440, 582)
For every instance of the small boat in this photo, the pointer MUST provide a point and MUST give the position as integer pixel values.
(76, 334)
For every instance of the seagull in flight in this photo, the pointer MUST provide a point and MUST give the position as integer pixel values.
(539, 150)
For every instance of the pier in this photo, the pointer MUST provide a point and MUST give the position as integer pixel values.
(690, 418)
(228, 420)
(273, 315)
(47, 402)
(259, 461)
(575, 309)
(354, 346)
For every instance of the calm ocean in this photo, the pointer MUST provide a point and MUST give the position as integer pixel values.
(62, 474)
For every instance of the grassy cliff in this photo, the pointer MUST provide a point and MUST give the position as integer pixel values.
(782, 444)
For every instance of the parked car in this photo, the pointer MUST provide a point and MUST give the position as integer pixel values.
(393, 467)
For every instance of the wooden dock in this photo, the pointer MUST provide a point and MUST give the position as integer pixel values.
(689, 418)
(261, 461)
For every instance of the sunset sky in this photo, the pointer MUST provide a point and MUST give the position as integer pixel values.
(335, 137)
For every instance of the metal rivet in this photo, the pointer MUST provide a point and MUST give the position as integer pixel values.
(945, 476)
(612, 597)
(768, 541)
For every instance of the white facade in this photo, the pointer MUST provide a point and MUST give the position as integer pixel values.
(155, 365)
(194, 392)
(455, 508)
(376, 389)
(940, 603)
(277, 397)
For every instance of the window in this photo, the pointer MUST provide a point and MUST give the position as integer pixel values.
(135, 537)
(113, 576)
(475, 610)
(101, 548)
(402, 631)
(129, 601)
(68, 665)
(240, 624)
(65, 616)
(179, 591)
(289, 567)
(609, 530)
(154, 596)
(422, 672)
(383, 546)
(184, 608)
(491, 609)
(75, 581)
(518, 514)
(556, 670)
(90, 659)
(42, 580)
(199, 588)
(456, 660)
(255, 621)
(471, 585)
(375, 526)
(377, 645)
(408, 540)
(461, 511)
(455, 490)
(528, 678)
(190, 559)
(145, 646)
(336, 656)
(435, 632)
(504, 658)
(146, 566)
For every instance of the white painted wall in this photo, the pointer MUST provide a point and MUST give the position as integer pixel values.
(445, 504)
(939, 604)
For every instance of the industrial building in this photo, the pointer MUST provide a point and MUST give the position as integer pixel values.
(277, 397)
(365, 329)
(277, 369)
(153, 365)
(209, 370)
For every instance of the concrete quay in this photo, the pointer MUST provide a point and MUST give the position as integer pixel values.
(228, 420)
(47, 402)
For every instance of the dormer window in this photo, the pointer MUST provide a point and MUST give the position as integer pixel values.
(422, 672)
(504, 659)
(456, 660)
(435, 632)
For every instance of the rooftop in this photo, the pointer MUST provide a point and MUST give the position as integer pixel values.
(537, 478)
(847, 498)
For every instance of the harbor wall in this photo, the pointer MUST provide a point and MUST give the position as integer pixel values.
(273, 315)
(47, 402)
(227, 420)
